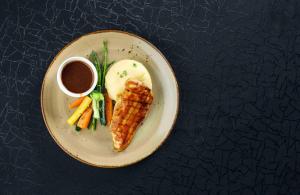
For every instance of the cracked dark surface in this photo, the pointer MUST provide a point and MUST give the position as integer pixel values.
(238, 67)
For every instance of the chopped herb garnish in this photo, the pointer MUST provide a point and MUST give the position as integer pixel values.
(134, 64)
(123, 74)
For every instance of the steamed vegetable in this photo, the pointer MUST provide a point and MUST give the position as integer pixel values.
(85, 118)
(96, 97)
(76, 102)
(102, 112)
(104, 71)
(105, 64)
(98, 104)
(78, 112)
(96, 94)
(108, 108)
(77, 128)
(111, 63)
(93, 124)
(96, 61)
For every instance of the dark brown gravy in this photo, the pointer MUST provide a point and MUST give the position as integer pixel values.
(77, 77)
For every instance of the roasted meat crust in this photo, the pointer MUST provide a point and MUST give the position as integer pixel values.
(130, 110)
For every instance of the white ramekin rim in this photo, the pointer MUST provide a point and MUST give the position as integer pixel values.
(85, 61)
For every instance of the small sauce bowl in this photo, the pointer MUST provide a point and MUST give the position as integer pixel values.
(84, 61)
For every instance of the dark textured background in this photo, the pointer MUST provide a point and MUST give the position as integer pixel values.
(238, 67)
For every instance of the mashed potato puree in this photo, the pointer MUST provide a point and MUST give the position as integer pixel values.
(123, 70)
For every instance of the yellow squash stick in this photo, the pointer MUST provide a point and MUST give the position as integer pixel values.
(78, 112)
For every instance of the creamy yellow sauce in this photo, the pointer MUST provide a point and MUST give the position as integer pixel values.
(123, 70)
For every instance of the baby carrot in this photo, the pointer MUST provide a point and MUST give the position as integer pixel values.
(76, 102)
(109, 108)
(85, 118)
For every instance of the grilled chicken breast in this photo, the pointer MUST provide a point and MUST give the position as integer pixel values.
(130, 110)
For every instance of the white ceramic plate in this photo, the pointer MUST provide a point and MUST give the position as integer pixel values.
(95, 147)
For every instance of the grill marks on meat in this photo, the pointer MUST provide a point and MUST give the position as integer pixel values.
(129, 112)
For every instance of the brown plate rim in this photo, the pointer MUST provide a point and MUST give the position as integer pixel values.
(78, 158)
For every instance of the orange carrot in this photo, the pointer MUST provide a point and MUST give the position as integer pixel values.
(108, 108)
(76, 102)
(85, 118)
